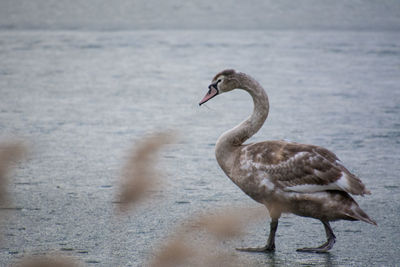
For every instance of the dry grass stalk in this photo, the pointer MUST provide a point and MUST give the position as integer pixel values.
(229, 222)
(189, 251)
(223, 226)
(217, 257)
(188, 248)
(139, 174)
(175, 253)
(10, 153)
(47, 261)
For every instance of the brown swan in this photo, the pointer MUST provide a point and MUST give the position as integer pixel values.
(286, 177)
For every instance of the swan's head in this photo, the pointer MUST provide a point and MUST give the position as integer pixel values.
(223, 82)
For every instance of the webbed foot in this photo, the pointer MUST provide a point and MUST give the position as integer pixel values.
(321, 249)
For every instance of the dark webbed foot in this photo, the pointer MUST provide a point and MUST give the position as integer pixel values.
(324, 247)
(321, 249)
(258, 249)
(270, 246)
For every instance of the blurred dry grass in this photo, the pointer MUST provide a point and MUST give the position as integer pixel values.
(189, 247)
(175, 253)
(228, 222)
(46, 261)
(140, 175)
(196, 243)
(10, 153)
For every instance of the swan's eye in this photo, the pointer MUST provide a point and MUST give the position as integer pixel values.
(219, 81)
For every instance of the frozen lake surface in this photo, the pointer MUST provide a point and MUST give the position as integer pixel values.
(81, 99)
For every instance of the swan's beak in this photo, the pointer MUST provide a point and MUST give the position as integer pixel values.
(213, 91)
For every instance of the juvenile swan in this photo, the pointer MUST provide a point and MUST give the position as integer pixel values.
(305, 180)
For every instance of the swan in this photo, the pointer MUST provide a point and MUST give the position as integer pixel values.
(286, 177)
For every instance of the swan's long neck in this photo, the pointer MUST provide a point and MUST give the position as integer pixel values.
(232, 139)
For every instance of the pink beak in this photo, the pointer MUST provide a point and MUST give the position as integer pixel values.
(210, 94)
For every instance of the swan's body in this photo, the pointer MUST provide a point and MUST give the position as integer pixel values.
(305, 180)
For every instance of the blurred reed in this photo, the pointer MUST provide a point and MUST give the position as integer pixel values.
(188, 247)
(46, 261)
(176, 252)
(228, 222)
(195, 243)
(10, 153)
(140, 175)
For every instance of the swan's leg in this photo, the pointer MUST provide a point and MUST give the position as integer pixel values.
(270, 246)
(327, 245)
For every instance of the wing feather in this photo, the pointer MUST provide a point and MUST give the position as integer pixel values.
(302, 168)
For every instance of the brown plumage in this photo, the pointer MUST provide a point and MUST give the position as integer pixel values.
(305, 180)
(293, 164)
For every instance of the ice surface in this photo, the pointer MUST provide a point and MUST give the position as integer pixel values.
(82, 98)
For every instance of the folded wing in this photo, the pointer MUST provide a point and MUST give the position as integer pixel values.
(303, 168)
